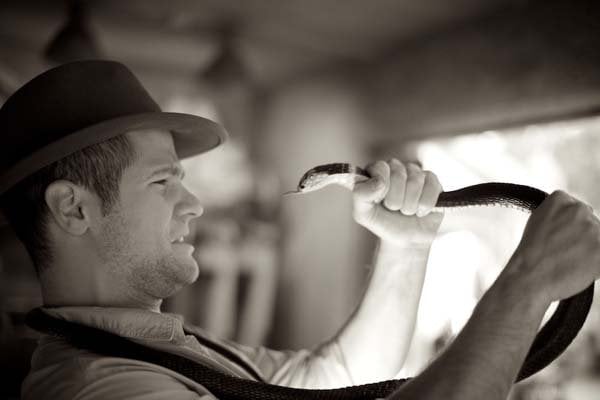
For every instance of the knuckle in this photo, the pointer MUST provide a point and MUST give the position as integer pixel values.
(560, 193)
(559, 196)
(370, 165)
(582, 212)
(587, 231)
(398, 178)
(385, 169)
(431, 177)
(398, 169)
(413, 167)
(584, 209)
(416, 179)
(376, 166)
(381, 189)
(577, 209)
(415, 173)
(391, 204)
(594, 225)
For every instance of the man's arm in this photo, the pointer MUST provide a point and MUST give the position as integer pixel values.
(484, 359)
(377, 337)
(558, 256)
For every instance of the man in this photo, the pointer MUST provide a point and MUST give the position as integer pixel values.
(92, 186)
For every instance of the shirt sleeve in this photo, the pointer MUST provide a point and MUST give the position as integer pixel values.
(323, 367)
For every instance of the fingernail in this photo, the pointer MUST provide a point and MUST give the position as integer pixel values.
(420, 212)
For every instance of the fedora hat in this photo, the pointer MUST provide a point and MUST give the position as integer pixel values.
(82, 103)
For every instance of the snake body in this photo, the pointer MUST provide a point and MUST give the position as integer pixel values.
(522, 197)
(570, 314)
(549, 343)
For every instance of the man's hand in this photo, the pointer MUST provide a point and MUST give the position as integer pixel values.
(558, 256)
(396, 203)
(559, 253)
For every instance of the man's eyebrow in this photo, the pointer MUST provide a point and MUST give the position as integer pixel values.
(171, 169)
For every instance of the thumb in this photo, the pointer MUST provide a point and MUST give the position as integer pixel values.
(372, 190)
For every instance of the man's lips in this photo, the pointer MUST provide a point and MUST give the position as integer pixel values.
(185, 247)
(178, 241)
(179, 238)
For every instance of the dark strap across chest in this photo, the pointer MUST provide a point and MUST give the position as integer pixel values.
(220, 384)
(228, 354)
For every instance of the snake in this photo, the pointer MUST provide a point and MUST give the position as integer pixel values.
(551, 340)
(570, 314)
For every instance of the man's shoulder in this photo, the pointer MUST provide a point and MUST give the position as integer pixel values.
(60, 370)
(57, 369)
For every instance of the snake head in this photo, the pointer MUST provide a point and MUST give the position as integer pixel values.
(343, 174)
(313, 179)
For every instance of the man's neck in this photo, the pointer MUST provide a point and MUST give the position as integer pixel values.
(66, 287)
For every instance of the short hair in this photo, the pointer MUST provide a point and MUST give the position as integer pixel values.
(98, 168)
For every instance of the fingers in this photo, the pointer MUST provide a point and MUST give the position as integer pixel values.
(375, 189)
(554, 206)
(395, 195)
(414, 187)
(401, 187)
(429, 196)
(561, 243)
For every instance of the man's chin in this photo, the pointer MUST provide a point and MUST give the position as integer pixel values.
(183, 257)
(195, 271)
(188, 271)
(176, 274)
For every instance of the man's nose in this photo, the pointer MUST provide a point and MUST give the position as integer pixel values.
(190, 205)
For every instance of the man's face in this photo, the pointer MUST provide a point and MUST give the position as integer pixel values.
(139, 237)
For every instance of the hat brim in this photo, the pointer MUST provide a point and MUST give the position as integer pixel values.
(192, 135)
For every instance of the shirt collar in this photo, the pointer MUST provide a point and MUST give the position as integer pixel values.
(131, 323)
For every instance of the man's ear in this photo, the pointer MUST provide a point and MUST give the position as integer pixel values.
(69, 206)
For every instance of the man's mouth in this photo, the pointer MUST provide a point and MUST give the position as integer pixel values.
(180, 244)
(179, 239)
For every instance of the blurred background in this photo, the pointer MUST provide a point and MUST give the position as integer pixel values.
(476, 91)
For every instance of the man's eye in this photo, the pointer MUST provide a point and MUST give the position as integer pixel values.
(161, 182)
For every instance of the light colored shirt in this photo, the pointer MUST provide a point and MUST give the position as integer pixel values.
(61, 371)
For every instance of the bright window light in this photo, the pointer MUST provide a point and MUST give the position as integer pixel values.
(474, 244)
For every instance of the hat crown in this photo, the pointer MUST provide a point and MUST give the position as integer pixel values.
(64, 100)
(80, 104)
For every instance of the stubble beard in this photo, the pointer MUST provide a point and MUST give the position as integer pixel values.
(149, 271)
